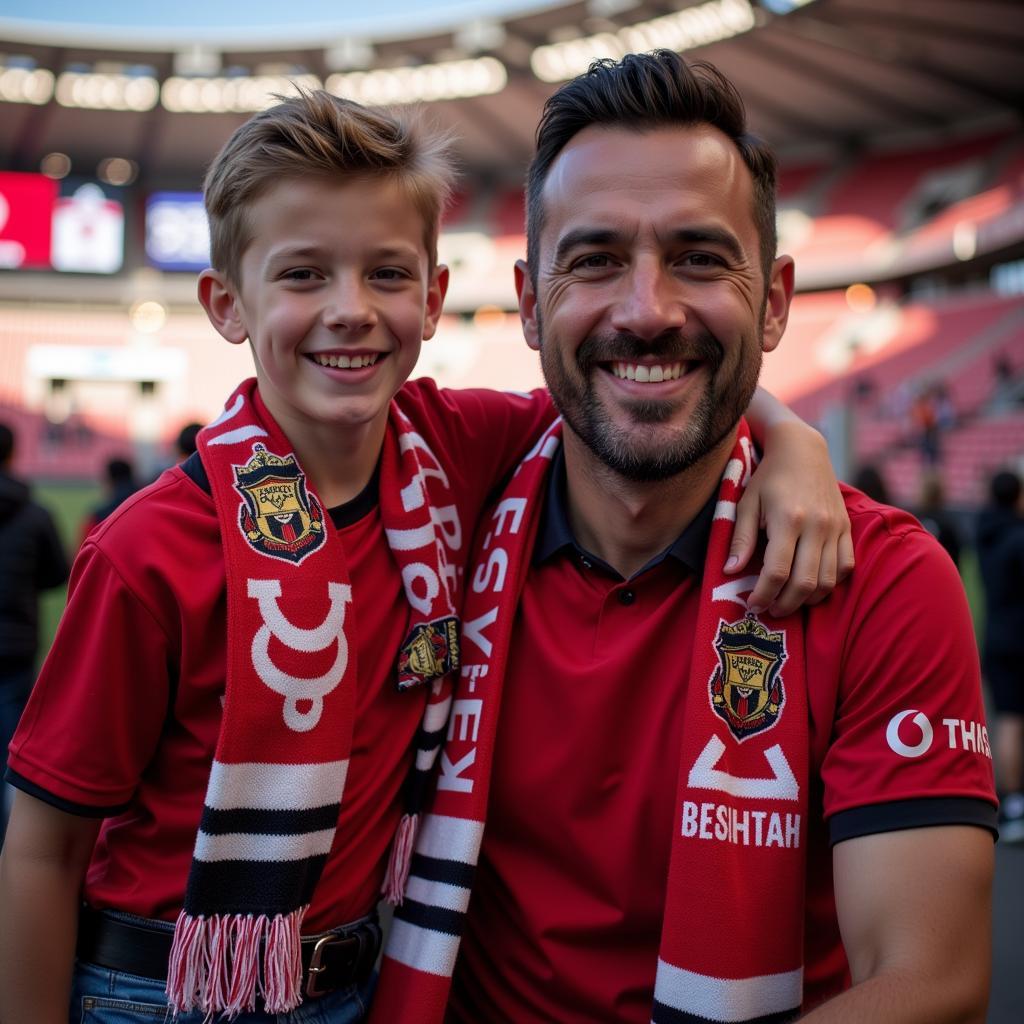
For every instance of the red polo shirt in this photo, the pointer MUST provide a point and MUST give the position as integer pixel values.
(566, 913)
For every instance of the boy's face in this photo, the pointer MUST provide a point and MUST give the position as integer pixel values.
(335, 295)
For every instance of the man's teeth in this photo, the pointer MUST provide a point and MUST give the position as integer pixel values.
(346, 362)
(647, 374)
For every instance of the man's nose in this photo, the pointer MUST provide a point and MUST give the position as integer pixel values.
(348, 305)
(651, 302)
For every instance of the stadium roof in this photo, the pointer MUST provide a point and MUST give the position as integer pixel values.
(818, 75)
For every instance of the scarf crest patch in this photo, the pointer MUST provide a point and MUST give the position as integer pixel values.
(741, 801)
(279, 517)
(747, 690)
(278, 776)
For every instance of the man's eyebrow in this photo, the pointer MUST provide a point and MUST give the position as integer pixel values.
(712, 236)
(585, 236)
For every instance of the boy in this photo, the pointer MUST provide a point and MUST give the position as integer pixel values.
(233, 630)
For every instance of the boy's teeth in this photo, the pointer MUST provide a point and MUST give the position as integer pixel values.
(344, 362)
(647, 374)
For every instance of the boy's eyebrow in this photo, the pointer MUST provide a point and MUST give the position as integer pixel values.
(299, 251)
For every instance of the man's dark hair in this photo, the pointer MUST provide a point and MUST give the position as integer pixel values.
(642, 92)
(6, 443)
(1005, 489)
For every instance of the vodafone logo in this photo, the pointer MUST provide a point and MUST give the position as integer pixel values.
(924, 734)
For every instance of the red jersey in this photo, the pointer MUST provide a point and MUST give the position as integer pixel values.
(566, 913)
(124, 719)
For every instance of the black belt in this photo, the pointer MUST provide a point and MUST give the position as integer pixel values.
(137, 945)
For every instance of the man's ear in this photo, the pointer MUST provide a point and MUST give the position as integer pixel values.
(776, 308)
(437, 289)
(218, 298)
(527, 305)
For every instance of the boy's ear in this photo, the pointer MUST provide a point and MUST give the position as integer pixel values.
(527, 305)
(217, 296)
(776, 307)
(437, 289)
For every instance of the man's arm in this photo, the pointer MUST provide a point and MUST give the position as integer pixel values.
(793, 495)
(45, 856)
(914, 910)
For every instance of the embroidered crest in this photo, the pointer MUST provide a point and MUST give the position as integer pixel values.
(431, 650)
(746, 686)
(278, 517)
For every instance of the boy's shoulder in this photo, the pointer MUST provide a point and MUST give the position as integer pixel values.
(173, 514)
(421, 399)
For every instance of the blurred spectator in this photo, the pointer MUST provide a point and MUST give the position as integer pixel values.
(1000, 540)
(924, 421)
(185, 443)
(935, 517)
(120, 484)
(31, 560)
(869, 480)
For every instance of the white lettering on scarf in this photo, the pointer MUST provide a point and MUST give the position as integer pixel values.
(295, 688)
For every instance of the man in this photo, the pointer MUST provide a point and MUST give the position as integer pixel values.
(31, 559)
(673, 763)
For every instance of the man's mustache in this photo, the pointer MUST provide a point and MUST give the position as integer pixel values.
(670, 347)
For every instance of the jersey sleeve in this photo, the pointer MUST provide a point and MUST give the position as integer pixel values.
(96, 712)
(909, 745)
(493, 430)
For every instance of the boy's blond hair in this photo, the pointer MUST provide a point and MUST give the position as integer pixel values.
(317, 133)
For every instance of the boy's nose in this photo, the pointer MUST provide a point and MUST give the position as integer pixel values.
(650, 303)
(348, 308)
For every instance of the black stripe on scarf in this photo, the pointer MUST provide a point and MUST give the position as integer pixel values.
(437, 919)
(435, 869)
(252, 887)
(662, 1014)
(269, 823)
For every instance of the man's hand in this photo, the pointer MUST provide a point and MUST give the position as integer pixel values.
(794, 497)
(915, 910)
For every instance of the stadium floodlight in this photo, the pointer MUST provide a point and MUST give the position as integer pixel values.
(243, 94)
(424, 83)
(107, 91)
(705, 23)
(25, 85)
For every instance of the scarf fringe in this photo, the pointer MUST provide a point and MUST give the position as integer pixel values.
(216, 964)
(401, 859)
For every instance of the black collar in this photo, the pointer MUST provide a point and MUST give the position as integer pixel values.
(555, 534)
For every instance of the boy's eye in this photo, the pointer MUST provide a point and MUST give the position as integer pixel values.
(390, 274)
(299, 274)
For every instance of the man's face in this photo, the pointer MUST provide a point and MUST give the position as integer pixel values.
(651, 310)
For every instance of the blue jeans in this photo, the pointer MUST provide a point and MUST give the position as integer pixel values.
(102, 996)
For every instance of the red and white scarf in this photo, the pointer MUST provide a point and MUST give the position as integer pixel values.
(731, 943)
(278, 775)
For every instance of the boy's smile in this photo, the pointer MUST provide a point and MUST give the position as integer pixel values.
(335, 295)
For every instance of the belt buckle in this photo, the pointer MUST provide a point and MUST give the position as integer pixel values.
(317, 966)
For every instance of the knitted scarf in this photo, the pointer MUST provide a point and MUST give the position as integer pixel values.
(278, 774)
(732, 944)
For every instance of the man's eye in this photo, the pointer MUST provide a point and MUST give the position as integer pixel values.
(701, 259)
(595, 261)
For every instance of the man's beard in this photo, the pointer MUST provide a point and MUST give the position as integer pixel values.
(641, 452)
